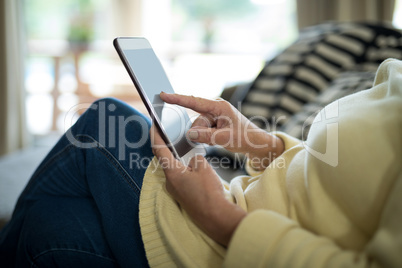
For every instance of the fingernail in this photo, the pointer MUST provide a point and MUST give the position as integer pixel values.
(165, 95)
(193, 134)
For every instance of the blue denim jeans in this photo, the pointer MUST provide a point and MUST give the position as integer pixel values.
(80, 208)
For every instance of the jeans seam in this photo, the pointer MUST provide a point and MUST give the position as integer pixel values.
(68, 249)
(123, 172)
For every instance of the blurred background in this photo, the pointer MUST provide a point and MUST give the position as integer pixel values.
(65, 55)
(204, 46)
(57, 57)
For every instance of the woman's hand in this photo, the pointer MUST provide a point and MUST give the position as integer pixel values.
(222, 124)
(199, 191)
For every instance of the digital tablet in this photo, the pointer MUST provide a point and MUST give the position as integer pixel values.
(149, 78)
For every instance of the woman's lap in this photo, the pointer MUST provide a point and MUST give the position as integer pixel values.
(99, 162)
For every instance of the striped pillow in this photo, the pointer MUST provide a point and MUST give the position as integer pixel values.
(304, 70)
(347, 83)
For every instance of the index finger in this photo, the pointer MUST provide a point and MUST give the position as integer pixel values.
(197, 104)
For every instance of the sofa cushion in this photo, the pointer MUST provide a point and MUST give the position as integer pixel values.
(303, 71)
(347, 83)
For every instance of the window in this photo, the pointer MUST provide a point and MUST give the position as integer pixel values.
(204, 47)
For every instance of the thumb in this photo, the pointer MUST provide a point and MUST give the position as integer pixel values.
(198, 162)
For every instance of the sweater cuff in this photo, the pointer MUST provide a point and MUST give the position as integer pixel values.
(251, 171)
(288, 141)
(255, 237)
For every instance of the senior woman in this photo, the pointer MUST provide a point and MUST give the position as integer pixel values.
(331, 201)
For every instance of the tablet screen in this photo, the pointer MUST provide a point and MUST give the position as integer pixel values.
(152, 79)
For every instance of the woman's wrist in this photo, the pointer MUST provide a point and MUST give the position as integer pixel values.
(260, 158)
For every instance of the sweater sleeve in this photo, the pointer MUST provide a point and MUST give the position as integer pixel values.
(268, 239)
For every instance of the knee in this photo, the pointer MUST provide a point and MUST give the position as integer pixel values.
(106, 121)
(105, 107)
(110, 103)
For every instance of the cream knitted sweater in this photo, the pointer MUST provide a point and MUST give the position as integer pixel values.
(334, 200)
